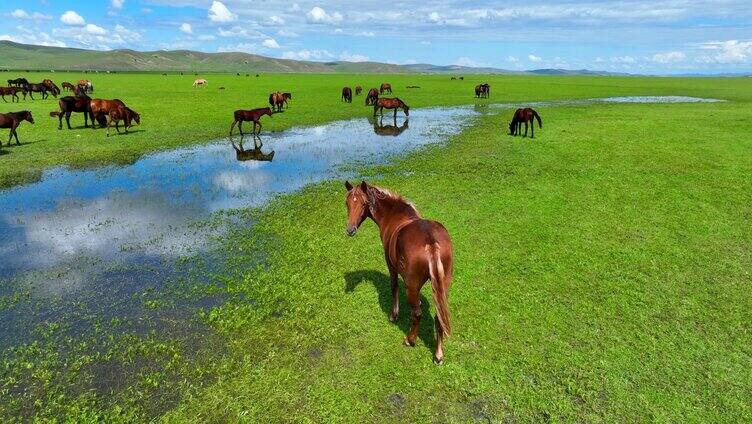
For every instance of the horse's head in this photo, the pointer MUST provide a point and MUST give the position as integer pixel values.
(135, 116)
(358, 204)
(28, 117)
(511, 127)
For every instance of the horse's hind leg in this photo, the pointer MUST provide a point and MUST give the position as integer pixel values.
(395, 294)
(525, 129)
(413, 294)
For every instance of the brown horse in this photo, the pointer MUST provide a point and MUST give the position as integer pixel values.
(249, 115)
(51, 86)
(415, 248)
(86, 85)
(287, 96)
(277, 100)
(12, 92)
(18, 82)
(38, 88)
(68, 86)
(373, 95)
(387, 103)
(347, 95)
(12, 120)
(358, 90)
(70, 104)
(99, 109)
(122, 113)
(385, 88)
(523, 116)
(482, 90)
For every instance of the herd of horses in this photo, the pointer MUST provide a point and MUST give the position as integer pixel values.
(419, 250)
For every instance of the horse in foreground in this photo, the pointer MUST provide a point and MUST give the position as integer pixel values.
(346, 95)
(415, 248)
(387, 103)
(12, 120)
(385, 88)
(70, 104)
(373, 95)
(249, 115)
(523, 116)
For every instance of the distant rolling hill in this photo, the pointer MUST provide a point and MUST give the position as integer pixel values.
(18, 56)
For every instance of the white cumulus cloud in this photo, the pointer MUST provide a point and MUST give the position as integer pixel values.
(186, 28)
(320, 16)
(218, 12)
(117, 4)
(534, 58)
(72, 18)
(270, 43)
(669, 57)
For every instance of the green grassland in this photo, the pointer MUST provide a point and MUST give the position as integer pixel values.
(602, 269)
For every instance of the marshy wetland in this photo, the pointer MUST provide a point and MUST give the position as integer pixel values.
(215, 281)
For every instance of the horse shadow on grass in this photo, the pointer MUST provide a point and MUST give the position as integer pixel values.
(383, 286)
(123, 133)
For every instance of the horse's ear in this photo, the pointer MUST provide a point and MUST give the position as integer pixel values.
(364, 186)
(348, 186)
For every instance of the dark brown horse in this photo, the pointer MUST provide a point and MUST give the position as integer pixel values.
(99, 110)
(18, 82)
(523, 116)
(70, 104)
(12, 92)
(276, 101)
(68, 86)
(482, 90)
(387, 103)
(358, 90)
(38, 88)
(242, 155)
(385, 88)
(347, 94)
(373, 95)
(125, 114)
(12, 120)
(51, 86)
(249, 115)
(415, 248)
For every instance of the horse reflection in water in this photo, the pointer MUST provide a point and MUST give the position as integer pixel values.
(242, 155)
(389, 130)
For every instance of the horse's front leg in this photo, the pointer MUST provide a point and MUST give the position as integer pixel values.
(525, 128)
(240, 127)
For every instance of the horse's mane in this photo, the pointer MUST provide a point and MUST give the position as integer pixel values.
(394, 199)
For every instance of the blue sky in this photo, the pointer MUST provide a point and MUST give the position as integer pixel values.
(638, 36)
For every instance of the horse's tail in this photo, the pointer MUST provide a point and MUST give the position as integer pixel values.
(271, 99)
(439, 287)
(540, 123)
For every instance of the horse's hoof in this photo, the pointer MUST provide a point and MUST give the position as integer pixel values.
(408, 343)
(393, 318)
(438, 361)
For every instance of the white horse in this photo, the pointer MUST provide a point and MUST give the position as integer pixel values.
(200, 82)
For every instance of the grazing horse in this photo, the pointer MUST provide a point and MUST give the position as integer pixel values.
(482, 90)
(277, 100)
(387, 103)
(373, 95)
(389, 130)
(13, 92)
(122, 113)
(523, 116)
(347, 95)
(86, 85)
(38, 88)
(453, 78)
(70, 104)
(242, 155)
(99, 109)
(12, 120)
(200, 83)
(358, 90)
(51, 86)
(385, 88)
(415, 248)
(68, 86)
(249, 115)
(18, 82)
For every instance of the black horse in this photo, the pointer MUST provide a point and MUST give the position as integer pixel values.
(70, 104)
(18, 82)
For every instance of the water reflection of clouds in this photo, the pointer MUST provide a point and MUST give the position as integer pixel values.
(149, 208)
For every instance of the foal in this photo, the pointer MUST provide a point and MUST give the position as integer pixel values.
(250, 115)
(415, 248)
